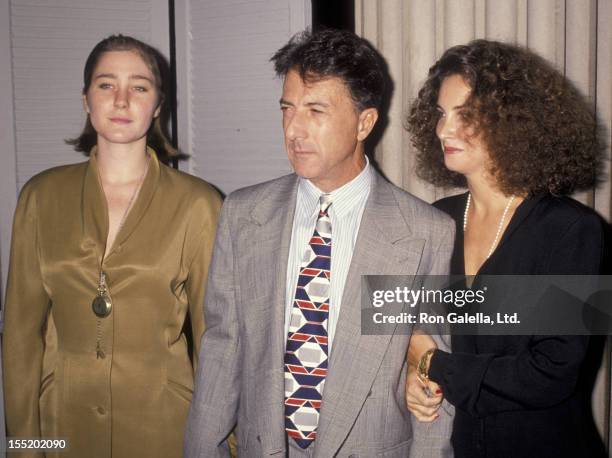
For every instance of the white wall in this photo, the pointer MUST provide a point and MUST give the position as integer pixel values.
(43, 47)
(228, 116)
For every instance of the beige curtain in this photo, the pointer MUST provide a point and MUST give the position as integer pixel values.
(573, 34)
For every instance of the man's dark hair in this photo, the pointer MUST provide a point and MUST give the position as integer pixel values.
(336, 53)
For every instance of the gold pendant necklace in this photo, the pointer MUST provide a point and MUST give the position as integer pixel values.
(102, 304)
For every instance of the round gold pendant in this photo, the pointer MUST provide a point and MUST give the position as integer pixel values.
(102, 306)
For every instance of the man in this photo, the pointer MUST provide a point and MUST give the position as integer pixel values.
(283, 357)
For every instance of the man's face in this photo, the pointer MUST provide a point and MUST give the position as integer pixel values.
(324, 131)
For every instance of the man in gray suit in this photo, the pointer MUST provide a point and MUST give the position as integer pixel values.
(283, 359)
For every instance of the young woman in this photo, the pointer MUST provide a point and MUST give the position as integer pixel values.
(109, 260)
(500, 121)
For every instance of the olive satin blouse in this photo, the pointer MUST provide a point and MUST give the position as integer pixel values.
(121, 385)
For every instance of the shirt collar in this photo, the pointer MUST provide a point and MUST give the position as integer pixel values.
(344, 199)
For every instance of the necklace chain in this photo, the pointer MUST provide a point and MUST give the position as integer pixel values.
(134, 194)
(102, 289)
(102, 303)
(500, 225)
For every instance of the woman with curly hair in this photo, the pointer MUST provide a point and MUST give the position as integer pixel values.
(502, 122)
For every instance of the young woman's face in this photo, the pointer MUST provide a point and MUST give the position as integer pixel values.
(463, 152)
(122, 99)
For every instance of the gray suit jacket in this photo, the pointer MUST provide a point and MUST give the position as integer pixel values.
(240, 377)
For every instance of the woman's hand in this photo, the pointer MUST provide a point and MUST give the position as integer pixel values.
(423, 399)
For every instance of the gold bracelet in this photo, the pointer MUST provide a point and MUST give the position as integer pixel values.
(422, 369)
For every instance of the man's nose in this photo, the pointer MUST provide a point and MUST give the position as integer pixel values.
(295, 126)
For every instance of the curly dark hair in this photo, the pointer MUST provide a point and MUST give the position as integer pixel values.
(539, 131)
(336, 53)
(156, 137)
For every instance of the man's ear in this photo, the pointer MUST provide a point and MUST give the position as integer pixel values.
(367, 119)
(85, 104)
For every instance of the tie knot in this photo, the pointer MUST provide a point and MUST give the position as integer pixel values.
(324, 202)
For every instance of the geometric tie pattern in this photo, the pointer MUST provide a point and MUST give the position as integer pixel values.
(306, 352)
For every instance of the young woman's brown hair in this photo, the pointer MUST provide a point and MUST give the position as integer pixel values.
(156, 138)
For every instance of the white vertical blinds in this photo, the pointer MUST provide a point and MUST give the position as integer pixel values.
(229, 120)
(50, 40)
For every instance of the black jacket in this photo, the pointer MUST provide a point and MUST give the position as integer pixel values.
(525, 396)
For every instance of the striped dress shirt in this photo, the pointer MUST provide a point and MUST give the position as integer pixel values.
(348, 203)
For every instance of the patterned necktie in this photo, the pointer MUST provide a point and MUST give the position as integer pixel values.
(306, 353)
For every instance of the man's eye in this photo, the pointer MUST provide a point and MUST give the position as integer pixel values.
(140, 89)
(105, 85)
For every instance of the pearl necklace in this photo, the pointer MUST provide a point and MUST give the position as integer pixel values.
(500, 226)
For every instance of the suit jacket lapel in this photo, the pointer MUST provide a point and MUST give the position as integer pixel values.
(267, 234)
(384, 245)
